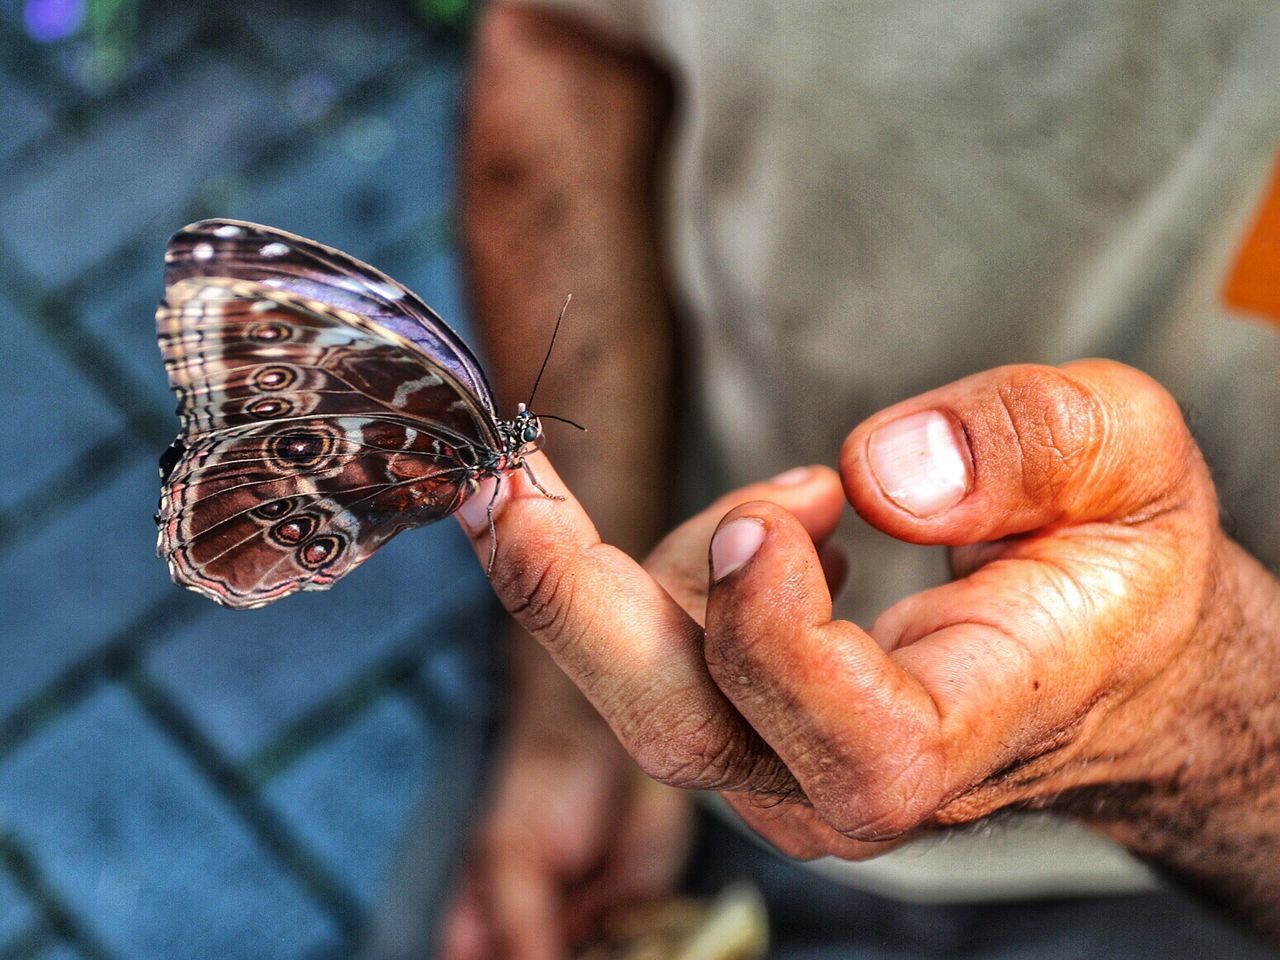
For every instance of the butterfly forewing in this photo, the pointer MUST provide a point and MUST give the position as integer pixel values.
(236, 353)
(310, 437)
(280, 260)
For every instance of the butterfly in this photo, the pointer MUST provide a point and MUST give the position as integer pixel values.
(324, 409)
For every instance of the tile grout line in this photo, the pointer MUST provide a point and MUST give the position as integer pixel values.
(108, 662)
(240, 795)
(21, 866)
(485, 629)
(16, 52)
(30, 942)
(394, 674)
(326, 721)
(95, 466)
(52, 318)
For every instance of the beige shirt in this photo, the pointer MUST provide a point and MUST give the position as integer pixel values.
(872, 199)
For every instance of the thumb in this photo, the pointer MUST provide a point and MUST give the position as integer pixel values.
(1021, 448)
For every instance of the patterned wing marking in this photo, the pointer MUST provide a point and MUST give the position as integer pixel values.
(278, 260)
(237, 354)
(249, 518)
(309, 439)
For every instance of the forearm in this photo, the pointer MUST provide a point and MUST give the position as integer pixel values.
(1214, 823)
(557, 198)
(557, 185)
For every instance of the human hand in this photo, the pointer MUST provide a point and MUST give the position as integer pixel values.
(1096, 636)
(574, 828)
(1073, 653)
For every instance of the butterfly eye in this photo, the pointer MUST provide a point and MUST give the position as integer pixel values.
(530, 433)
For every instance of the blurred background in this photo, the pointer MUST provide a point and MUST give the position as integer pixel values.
(178, 780)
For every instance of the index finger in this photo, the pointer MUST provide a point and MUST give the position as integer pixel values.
(679, 562)
(630, 648)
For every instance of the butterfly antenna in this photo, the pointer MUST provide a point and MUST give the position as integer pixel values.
(543, 368)
(572, 423)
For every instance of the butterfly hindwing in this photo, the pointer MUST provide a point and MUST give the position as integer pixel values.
(310, 437)
(255, 516)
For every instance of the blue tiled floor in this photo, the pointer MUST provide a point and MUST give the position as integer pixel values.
(245, 677)
(177, 780)
(139, 846)
(134, 167)
(78, 582)
(60, 952)
(22, 117)
(351, 796)
(17, 914)
(80, 415)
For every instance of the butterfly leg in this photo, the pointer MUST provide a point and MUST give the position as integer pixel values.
(493, 531)
(524, 465)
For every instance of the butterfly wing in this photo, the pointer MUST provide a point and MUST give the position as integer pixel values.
(239, 250)
(310, 437)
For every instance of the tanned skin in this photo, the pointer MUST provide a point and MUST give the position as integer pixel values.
(1106, 649)
(557, 198)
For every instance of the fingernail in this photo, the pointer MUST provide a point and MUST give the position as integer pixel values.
(734, 544)
(793, 477)
(474, 512)
(922, 462)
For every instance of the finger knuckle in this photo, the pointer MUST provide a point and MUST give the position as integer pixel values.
(1057, 423)
(704, 753)
(1148, 403)
(540, 598)
(730, 650)
(888, 806)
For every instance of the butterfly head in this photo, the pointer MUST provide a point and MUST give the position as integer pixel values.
(525, 433)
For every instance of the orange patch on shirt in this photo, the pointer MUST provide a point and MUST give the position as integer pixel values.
(1254, 283)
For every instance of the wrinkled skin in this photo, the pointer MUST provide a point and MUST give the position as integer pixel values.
(1106, 648)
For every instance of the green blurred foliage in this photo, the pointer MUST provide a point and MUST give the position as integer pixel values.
(452, 13)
